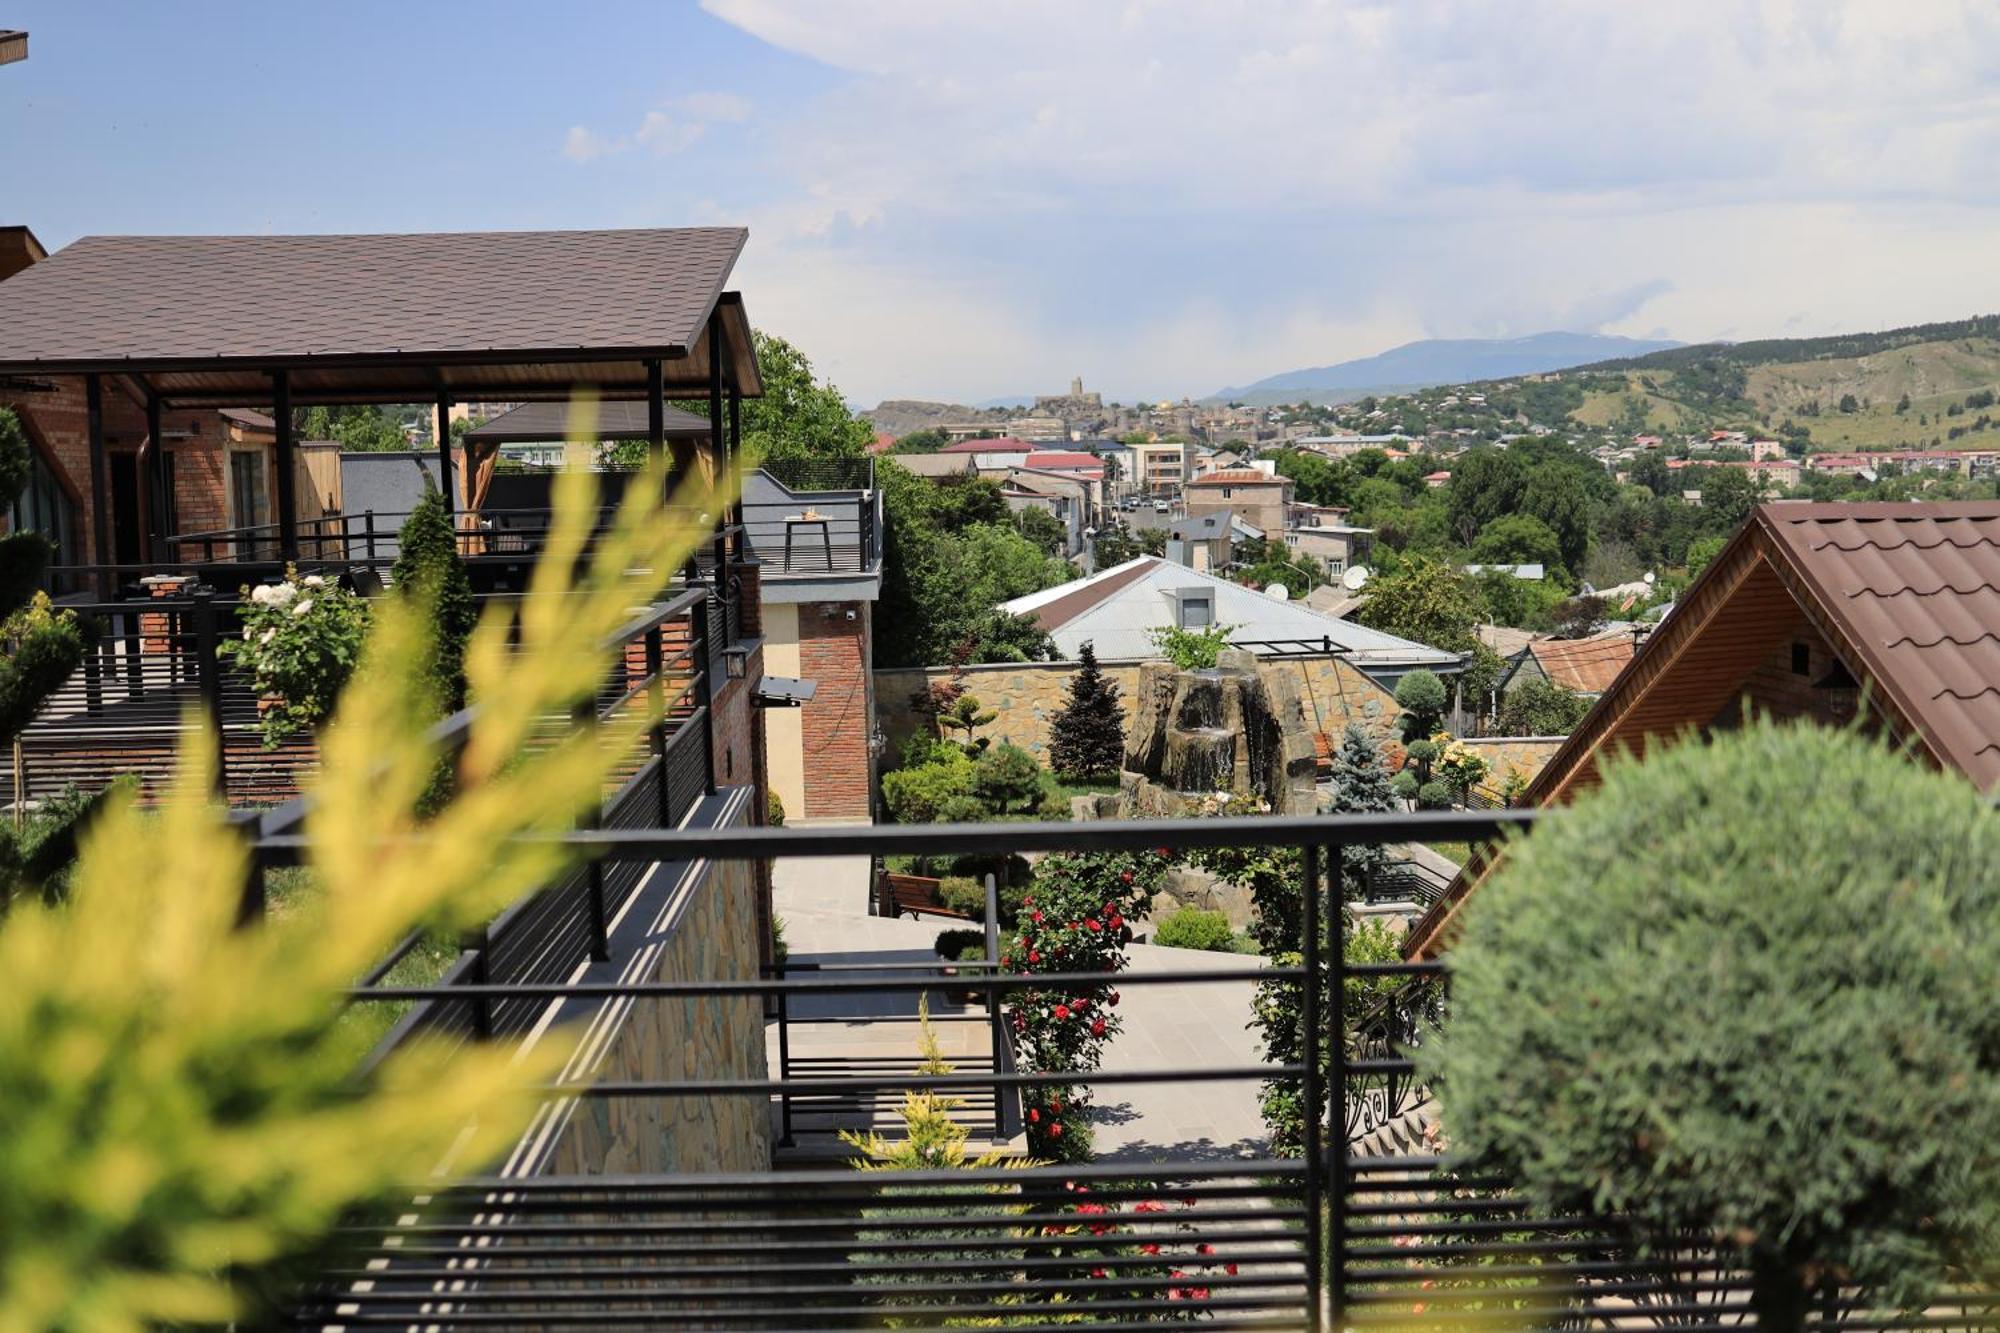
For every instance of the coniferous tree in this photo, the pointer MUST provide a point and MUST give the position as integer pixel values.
(1360, 786)
(429, 567)
(1087, 738)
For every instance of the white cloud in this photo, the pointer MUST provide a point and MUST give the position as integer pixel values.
(1176, 196)
(663, 132)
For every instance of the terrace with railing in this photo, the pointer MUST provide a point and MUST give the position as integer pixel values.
(1371, 1226)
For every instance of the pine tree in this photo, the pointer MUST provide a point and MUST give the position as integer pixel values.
(1087, 738)
(1360, 787)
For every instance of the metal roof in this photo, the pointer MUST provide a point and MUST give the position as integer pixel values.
(524, 314)
(1118, 609)
(620, 419)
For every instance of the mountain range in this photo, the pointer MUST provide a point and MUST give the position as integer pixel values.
(1434, 361)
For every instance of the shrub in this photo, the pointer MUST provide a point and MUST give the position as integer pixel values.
(1404, 785)
(774, 810)
(1087, 738)
(301, 641)
(1772, 1030)
(1054, 808)
(1193, 928)
(963, 808)
(429, 570)
(1436, 794)
(1005, 777)
(920, 795)
(919, 751)
(781, 952)
(1541, 708)
(953, 943)
(1192, 649)
(962, 893)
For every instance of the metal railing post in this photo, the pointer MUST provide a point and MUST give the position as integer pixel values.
(656, 695)
(1317, 1112)
(482, 1012)
(368, 530)
(591, 818)
(992, 998)
(698, 646)
(208, 676)
(784, 1063)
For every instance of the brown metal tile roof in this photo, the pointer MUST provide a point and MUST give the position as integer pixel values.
(1915, 590)
(538, 310)
(620, 419)
(1587, 666)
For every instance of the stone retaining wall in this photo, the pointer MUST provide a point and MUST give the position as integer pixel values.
(1028, 695)
(1527, 754)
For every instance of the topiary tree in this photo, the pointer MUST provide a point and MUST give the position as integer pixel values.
(1772, 1030)
(1087, 738)
(1540, 707)
(1421, 696)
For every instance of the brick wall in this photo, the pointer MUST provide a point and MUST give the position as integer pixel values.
(733, 726)
(58, 423)
(833, 651)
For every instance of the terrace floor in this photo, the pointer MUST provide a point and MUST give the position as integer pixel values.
(1169, 1026)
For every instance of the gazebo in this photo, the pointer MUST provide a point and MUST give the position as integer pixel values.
(279, 322)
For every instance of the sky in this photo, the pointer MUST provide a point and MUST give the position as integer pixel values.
(969, 199)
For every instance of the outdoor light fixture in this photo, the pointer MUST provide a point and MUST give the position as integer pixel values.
(736, 662)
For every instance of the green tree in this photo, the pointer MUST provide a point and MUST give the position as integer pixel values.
(358, 429)
(1541, 707)
(1426, 601)
(1000, 636)
(1007, 778)
(1001, 565)
(1728, 494)
(1422, 697)
(1770, 1036)
(1559, 496)
(799, 415)
(1087, 738)
(1517, 539)
(1702, 553)
(430, 571)
(1275, 563)
(1848, 403)
(1649, 469)
(922, 442)
(1486, 484)
(1042, 528)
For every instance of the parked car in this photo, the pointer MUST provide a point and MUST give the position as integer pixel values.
(1160, 506)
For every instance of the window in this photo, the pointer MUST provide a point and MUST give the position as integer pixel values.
(248, 488)
(1801, 659)
(1227, 492)
(45, 507)
(1197, 610)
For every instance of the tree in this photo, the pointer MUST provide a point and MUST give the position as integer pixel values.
(42, 648)
(1422, 697)
(357, 429)
(1114, 545)
(1649, 469)
(1559, 495)
(1043, 529)
(430, 571)
(1006, 777)
(1486, 484)
(1517, 539)
(1728, 494)
(1001, 565)
(1541, 708)
(1702, 553)
(1001, 636)
(1275, 563)
(1579, 617)
(1087, 738)
(1670, 1007)
(799, 415)
(922, 442)
(1849, 404)
(1426, 601)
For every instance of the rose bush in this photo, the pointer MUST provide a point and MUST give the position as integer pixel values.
(301, 640)
(1075, 920)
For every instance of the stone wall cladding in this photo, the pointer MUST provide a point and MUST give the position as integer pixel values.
(677, 1039)
(1029, 695)
(833, 651)
(1525, 753)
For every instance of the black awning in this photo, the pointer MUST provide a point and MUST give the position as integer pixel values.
(785, 692)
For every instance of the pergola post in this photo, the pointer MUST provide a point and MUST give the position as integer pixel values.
(717, 448)
(735, 454)
(656, 410)
(100, 482)
(444, 455)
(288, 509)
(155, 480)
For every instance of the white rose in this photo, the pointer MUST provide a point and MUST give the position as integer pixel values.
(284, 592)
(313, 580)
(262, 594)
(303, 607)
(268, 635)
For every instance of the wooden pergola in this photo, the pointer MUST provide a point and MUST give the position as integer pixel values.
(291, 321)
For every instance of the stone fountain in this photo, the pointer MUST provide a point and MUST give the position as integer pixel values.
(1237, 728)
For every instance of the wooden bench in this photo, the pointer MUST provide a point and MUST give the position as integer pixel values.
(914, 894)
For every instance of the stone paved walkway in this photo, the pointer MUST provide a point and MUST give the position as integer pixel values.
(1167, 1025)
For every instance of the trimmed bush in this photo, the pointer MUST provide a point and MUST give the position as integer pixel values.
(774, 810)
(1771, 1029)
(920, 795)
(1193, 928)
(1007, 778)
(952, 944)
(1421, 696)
(962, 893)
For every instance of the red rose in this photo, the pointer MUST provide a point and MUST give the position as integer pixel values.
(1097, 1028)
(1229, 1269)
(1055, 1130)
(1062, 1011)
(1114, 998)
(1034, 955)
(1125, 875)
(1036, 918)
(1093, 924)
(1034, 1116)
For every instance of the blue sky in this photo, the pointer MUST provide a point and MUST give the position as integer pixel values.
(969, 198)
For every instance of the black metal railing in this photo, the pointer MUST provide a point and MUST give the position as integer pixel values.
(1350, 1234)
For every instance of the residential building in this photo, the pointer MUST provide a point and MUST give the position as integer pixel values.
(1071, 498)
(937, 465)
(1160, 466)
(1876, 614)
(1258, 497)
(1336, 547)
(1118, 610)
(988, 444)
(1585, 666)
(1202, 543)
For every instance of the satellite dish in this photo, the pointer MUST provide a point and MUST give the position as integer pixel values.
(1356, 578)
(1649, 578)
(1278, 592)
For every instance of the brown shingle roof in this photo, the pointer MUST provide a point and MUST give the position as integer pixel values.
(623, 419)
(547, 301)
(1587, 666)
(1915, 589)
(1238, 476)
